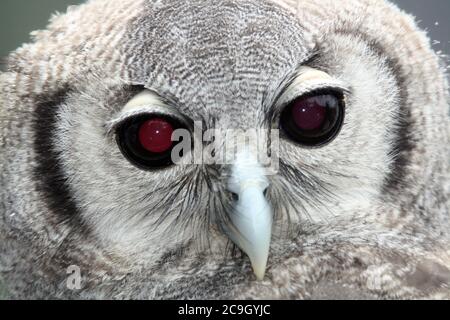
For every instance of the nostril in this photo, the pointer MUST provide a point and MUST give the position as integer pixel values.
(234, 196)
(266, 192)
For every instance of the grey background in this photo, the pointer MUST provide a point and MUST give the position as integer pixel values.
(19, 17)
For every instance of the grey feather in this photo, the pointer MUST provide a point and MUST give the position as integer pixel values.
(367, 215)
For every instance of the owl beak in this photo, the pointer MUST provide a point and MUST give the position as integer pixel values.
(251, 226)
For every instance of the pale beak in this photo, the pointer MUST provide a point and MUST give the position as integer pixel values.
(251, 218)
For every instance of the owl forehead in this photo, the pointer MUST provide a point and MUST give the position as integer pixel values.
(213, 55)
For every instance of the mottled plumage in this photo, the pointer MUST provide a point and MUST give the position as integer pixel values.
(366, 216)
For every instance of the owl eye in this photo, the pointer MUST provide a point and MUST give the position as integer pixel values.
(314, 119)
(155, 135)
(146, 141)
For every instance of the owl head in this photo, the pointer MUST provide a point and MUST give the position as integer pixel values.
(122, 152)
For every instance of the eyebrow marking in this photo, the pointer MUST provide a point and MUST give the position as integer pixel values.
(142, 100)
(306, 73)
(146, 102)
(305, 81)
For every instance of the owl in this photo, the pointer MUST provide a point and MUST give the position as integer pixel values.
(117, 180)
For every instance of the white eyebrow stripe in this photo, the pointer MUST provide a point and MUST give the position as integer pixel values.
(145, 102)
(308, 74)
(307, 80)
(143, 99)
(111, 125)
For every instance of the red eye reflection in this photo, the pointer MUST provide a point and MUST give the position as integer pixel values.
(310, 113)
(314, 119)
(146, 140)
(155, 135)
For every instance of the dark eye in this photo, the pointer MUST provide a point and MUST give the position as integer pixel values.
(146, 140)
(314, 119)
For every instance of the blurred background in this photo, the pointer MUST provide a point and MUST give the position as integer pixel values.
(19, 17)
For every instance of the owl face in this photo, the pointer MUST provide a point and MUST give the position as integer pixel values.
(237, 74)
(103, 145)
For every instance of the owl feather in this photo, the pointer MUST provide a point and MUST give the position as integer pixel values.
(365, 216)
